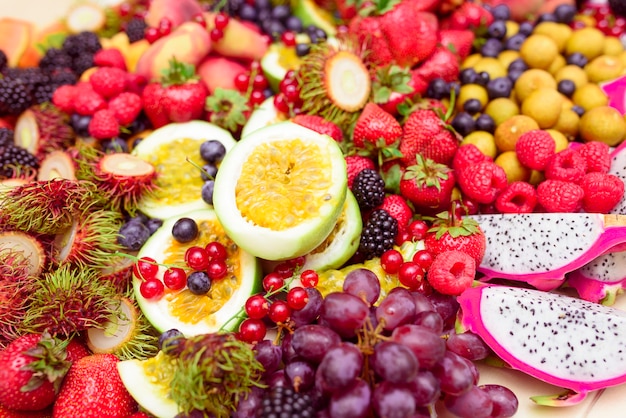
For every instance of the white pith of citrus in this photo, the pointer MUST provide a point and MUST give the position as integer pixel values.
(313, 171)
(178, 181)
(160, 312)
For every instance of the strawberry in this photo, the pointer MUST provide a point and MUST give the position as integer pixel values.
(449, 232)
(560, 196)
(397, 207)
(428, 185)
(64, 97)
(566, 165)
(104, 125)
(355, 164)
(597, 156)
(468, 16)
(125, 107)
(11, 413)
(452, 272)
(32, 368)
(482, 182)
(442, 63)
(425, 133)
(319, 124)
(392, 86)
(517, 197)
(177, 97)
(458, 41)
(108, 81)
(602, 191)
(109, 57)
(535, 148)
(93, 388)
(375, 127)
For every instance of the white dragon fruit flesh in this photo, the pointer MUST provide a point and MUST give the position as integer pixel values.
(618, 168)
(540, 248)
(601, 279)
(564, 341)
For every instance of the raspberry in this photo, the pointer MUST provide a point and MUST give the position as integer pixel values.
(103, 125)
(135, 82)
(597, 156)
(482, 182)
(517, 197)
(398, 209)
(566, 165)
(602, 191)
(466, 155)
(452, 272)
(319, 124)
(64, 98)
(560, 196)
(125, 107)
(108, 81)
(355, 164)
(534, 149)
(110, 57)
(88, 101)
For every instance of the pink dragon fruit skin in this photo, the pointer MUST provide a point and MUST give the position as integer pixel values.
(618, 168)
(540, 248)
(600, 280)
(564, 341)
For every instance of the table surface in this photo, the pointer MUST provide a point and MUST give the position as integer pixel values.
(608, 403)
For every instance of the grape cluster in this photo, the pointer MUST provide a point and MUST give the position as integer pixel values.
(357, 356)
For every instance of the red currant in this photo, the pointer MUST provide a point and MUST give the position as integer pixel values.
(259, 82)
(411, 275)
(175, 278)
(286, 82)
(309, 278)
(418, 229)
(152, 35)
(145, 268)
(279, 312)
(297, 298)
(402, 236)
(221, 20)
(391, 260)
(423, 258)
(284, 269)
(242, 81)
(292, 93)
(217, 269)
(165, 27)
(216, 34)
(256, 97)
(216, 251)
(297, 262)
(125, 8)
(288, 38)
(252, 330)
(152, 289)
(197, 258)
(255, 67)
(199, 19)
(272, 282)
(280, 103)
(256, 307)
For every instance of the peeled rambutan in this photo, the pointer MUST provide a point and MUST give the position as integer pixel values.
(119, 271)
(28, 247)
(69, 300)
(42, 129)
(57, 164)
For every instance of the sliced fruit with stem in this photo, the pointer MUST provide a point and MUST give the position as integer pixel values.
(280, 190)
(29, 246)
(42, 129)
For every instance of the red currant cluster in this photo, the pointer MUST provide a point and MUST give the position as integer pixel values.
(288, 100)
(601, 17)
(164, 28)
(252, 84)
(209, 260)
(221, 21)
(279, 300)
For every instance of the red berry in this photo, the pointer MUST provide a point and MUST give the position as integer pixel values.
(284, 269)
(242, 81)
(309, 278)
(256, 307)
(216, 251)
(197, 258)
(288, 38)
(199, 19)
(534, 149)
(286, 82)
(216, 34)
(255, 66)
(423, 258)
(297, 298)
(252, 330)
(256, 97)
(217, 269)
(125, 8)
(221, 20)
(418, 229)
(259, 82)
(279, 312)
(391, 260)
(517, 197)
(272, 282)
(292, 93)
(411, 275)
(297, 262)
(175, 278)
(152, 289)
(402, 236)
(452, 272)
(280, 103)
(152, 35)
(145, 268)
(165, 26)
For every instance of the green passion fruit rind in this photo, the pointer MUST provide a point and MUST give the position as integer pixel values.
(217, 309)
(306, 234)
(178, 182)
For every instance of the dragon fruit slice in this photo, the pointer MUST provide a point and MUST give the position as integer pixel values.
(539, 248)
(564, 341)
(600, 280)
(618, 168)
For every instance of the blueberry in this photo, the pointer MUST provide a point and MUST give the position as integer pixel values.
(515, 74)
(247, 12)
(499, 87)
(578, 109)
(547, 17)
(472, 106)
(268, 92)
(577, 59)
(501, 12)
(566, 87)
(153, 224)
(207, 191)
(275, 29)
(185, 230)
(518, 64)
(454, 86)
(302, 49)
(497, 29)
(113, 146)
(483, 78)
(80, 124)
(485, 123)
(437, 89)
(515, 42)
(133, 235)
(525, 28)
(463, 123)
(212, 151)
(169, 339)
(311, 29)
(198, 283)
(293, 23)
(263, 4)
(281, 12)
(321, 35)
(208, 172)
(139, 217)
(491, 48)
(565, 13)
(468, 76)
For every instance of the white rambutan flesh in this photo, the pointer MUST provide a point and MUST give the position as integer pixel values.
(57, 164)
(29, 247)
(42, 129)
(348, 82)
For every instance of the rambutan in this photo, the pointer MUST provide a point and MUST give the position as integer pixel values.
(42, 129)
(57, 164)
(47, 207)
(69, 300)
(29, 248)
(119, 271)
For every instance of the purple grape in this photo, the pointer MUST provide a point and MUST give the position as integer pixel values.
(351, 402)
(362, 283)
(505, 402)
(425, 388)
(446, 306)
(278, 379)
(311, 310)
(428, 347)
(431, 320)
(288, 351)
(248, 406)
(311, 342)
(454, 374)
(341, 365)
(300, 374)
(468, 345)
(269, 355)
(396, 309)
(394, 362)
(392, 401)
(344, 313)
(473, 403)
(422, 303)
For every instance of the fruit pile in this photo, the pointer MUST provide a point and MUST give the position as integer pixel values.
(256, 208)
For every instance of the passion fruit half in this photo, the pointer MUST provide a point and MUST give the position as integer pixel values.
(198, 314)
(264, 115)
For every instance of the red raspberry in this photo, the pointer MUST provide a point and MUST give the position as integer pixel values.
(534, 149)
(602, 191)
(452, 272)
(597, 155)
(398, 208)
(482, 182)
(560, 196)
(103, 125)
(518, 197)
(566, 165)
(88, 101)
(110, 57)
(319, 124)
(355, 164)
(125, 107)
(135, 82)
(64, 97)
(108, 81)
(466, 155)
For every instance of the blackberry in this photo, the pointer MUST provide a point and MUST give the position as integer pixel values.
(82, 63)
(43, 92)
(379, 234)
(618, 7)
(4, 61)
(6, 136)
(63, 76)
(15, 96)
(285, 402)
(55, 59)
(369, 189)
(12, 158)
(81, 43)
(135, 29)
